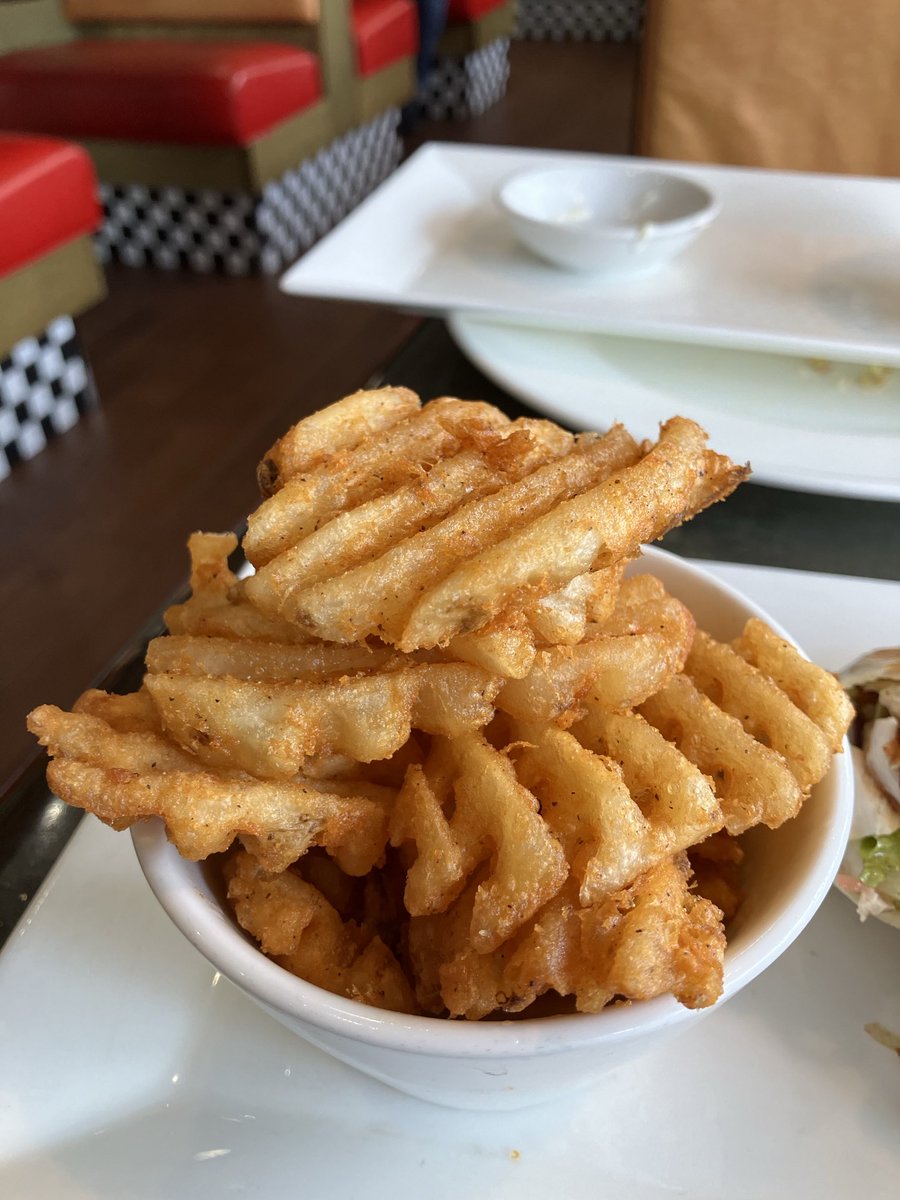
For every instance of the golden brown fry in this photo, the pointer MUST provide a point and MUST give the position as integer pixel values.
(296, 926)
(666, 939)
(340, 426)
(264, 662)
(132, 713)
(308, 501)
(269, 729)
(123, 777)
(377, 597)
(764, 711)
(673, 795)
(584, 799)
(204, 813)
(494, 817)
(815, 692)
(593, 529)
(650, 938)
(480, 460)
(753, 783)
(649, 637)
(439, 869)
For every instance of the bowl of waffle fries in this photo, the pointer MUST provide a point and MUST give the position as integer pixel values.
(464, 783)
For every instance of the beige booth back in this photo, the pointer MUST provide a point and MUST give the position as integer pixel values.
(791, 84)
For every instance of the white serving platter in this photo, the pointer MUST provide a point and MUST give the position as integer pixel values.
(826, 427)
(796, 263)
(130, 1071)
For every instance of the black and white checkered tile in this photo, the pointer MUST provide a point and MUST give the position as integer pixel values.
(466, 87)
(580, 20)
(45, 386)
(236, 232)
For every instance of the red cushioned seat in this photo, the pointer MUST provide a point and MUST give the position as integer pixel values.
(48, 196)
(385, 31)
(157, 90)
(471, 10)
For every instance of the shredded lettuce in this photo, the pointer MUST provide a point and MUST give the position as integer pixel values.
(881, 862)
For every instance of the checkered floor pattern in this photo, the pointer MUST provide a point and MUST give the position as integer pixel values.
(237, 233)
(466, 87)
(45, 386)
(581, 20)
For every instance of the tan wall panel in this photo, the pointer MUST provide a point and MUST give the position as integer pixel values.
(794, 86)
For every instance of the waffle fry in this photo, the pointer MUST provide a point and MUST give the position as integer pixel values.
(619, 664)
(340, 426)
(218, 606)
(270, 729)
(733, 716)
(126, 777)
(493, 816)
(296, 925)
(639, 502)
(437, 727)
(365, 472)
(763, 709)
(815, 692)
(653, 937)
(376, 598)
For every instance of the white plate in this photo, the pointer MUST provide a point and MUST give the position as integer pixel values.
(817, 430)
(129, 1072)
(795, 263)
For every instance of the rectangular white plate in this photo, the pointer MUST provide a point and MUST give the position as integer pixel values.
(129, 1071)
(796, 263)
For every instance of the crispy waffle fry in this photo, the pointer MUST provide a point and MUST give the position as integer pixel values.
(639, 502)
(815, 692)
(672, 794)
(345, 480)
(296, 925)
(493, 817)
(645, 642)
(340, 426)
(269, 729)
(653, 937)
(764, 711)
(127, 777)
(416, 731)
(337, 541)
(584, 799)
(376, 598)
(218, 606)
(753, 783)
(439, 869)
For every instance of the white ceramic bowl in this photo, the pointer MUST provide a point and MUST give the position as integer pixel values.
(606, 218)
(509, 1064)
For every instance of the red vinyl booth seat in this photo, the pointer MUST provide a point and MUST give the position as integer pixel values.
(157, 90)
(48, 196)
(385, 31)
(471, 10)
